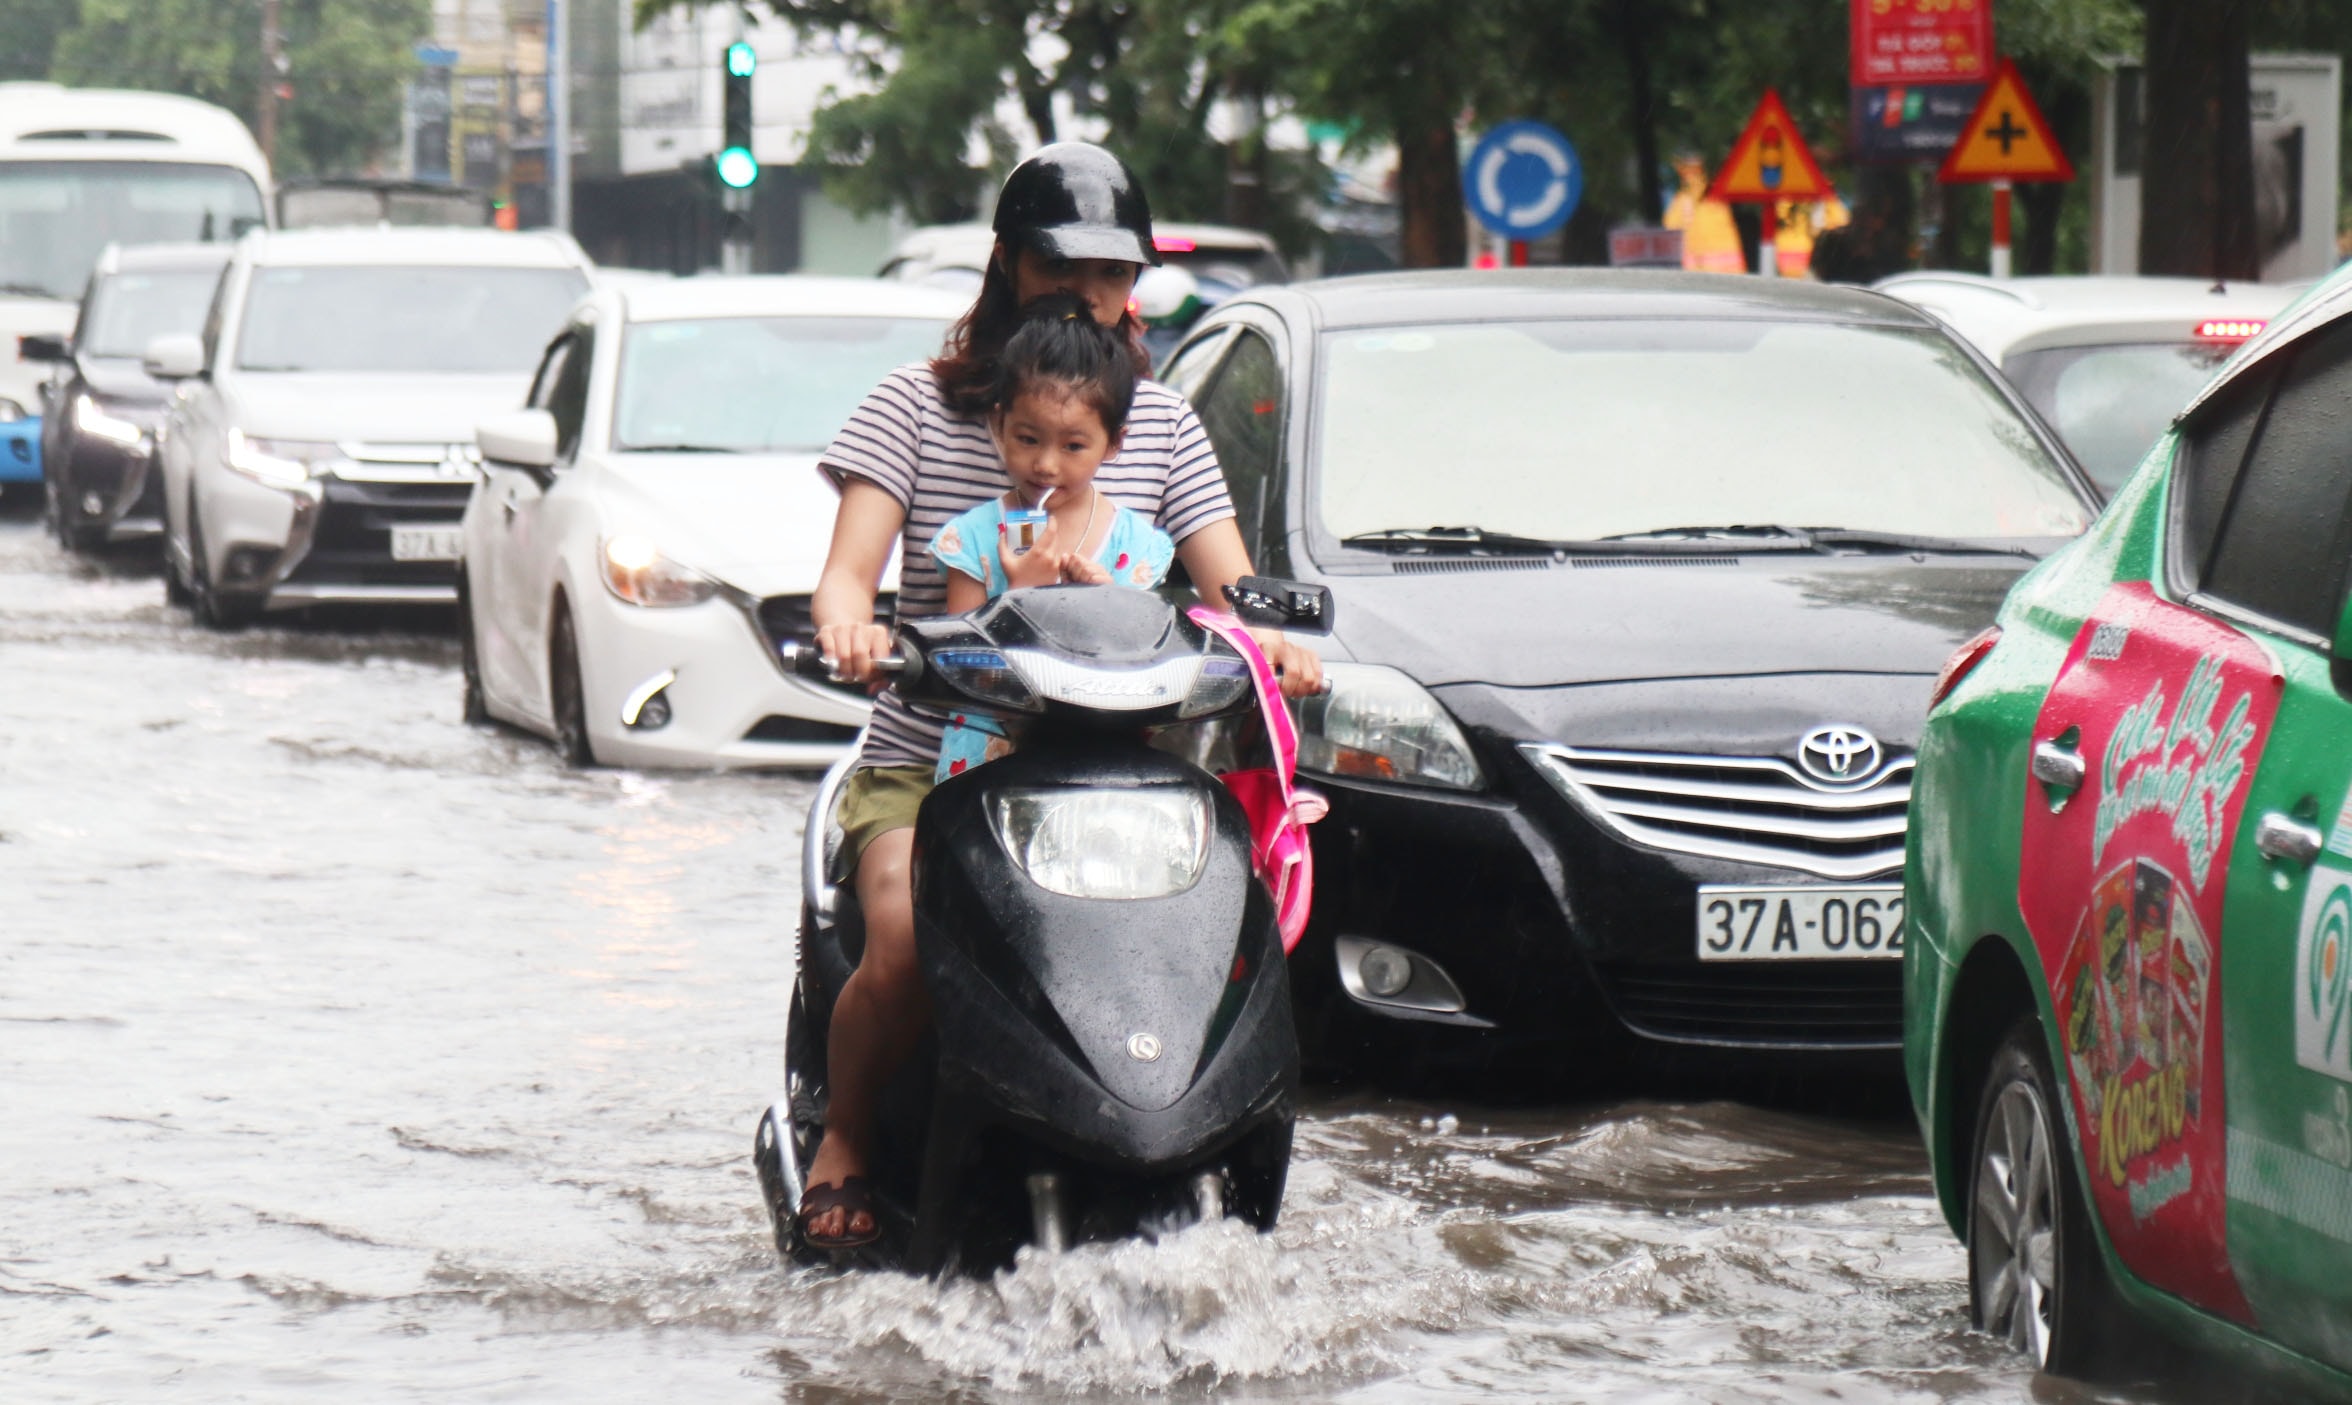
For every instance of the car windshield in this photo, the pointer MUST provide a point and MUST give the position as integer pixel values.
(1579, 430)
(2109, 403)
(389, 319)
(56, 216)
(752, 384)
(129, 310)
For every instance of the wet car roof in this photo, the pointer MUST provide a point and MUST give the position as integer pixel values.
(1465, 295)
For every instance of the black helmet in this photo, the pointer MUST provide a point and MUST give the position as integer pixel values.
(1074, 200)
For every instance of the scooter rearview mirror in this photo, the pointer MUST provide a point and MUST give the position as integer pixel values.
(1279, 604)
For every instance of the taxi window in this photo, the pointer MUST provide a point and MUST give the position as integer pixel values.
(2281, 548)
(2212, 452)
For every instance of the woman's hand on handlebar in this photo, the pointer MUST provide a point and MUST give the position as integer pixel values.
(851, 650)
(1300, 667)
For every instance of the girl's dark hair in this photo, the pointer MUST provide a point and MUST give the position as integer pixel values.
(1059, 343)
(966, 372)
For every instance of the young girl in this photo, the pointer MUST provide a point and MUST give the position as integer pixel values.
(1063, 388)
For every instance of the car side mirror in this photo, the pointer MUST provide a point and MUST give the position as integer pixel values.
(518, 439)
(174, 356)
(42, 346)
(1280, 604)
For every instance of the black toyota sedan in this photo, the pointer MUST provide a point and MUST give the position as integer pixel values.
(1643, 583)
(100, 408)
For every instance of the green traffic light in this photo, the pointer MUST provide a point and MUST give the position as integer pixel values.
(737, 167)
(740, 59)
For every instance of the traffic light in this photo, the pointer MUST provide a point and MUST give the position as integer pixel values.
(737, 167)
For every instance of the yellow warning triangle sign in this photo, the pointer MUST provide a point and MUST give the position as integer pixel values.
(2006, 138)
(1770, 161)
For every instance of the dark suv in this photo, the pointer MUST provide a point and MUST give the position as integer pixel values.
(100, 408)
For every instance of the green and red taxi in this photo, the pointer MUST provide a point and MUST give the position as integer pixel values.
(2128, 988)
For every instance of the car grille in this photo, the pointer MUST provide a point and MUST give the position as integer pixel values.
(1746, 809)
(787, 619)
(1847, 1004)
(353, 541)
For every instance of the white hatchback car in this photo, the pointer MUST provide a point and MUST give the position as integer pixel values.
(650, 528)
(2107, 361)
(319, 445)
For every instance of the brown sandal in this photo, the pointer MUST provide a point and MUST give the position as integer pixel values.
(854, 1196)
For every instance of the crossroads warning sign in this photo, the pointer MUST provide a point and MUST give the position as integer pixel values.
(1770, 161)
(2006, 138)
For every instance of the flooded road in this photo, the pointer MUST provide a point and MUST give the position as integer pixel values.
(353, 1053)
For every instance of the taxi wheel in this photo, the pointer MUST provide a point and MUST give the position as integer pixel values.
(2034, 1274)
(472, 709)
(569, 697)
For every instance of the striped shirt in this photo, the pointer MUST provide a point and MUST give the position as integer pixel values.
(906, 441)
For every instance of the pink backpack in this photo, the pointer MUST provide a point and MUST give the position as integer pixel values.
(1278, 811)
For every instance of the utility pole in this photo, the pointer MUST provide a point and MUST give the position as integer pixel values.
(273, 76)
(559, 117)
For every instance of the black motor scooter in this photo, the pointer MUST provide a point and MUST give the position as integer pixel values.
(1112, 1050)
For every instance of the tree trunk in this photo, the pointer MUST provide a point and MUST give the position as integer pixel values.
(2197, 182)
(1429, 197)
(1644, 112)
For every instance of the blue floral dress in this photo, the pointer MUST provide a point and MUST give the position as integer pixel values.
(1136, 553)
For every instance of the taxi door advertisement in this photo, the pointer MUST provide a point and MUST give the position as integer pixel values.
(2122, 891)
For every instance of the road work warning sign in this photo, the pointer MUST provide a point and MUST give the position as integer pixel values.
(2006, 138)
(1770, 161)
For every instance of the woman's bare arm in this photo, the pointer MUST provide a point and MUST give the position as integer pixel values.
(1215, 558)
(864, 531)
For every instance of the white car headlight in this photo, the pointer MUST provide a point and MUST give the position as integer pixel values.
(636, 571)
(1377, 723)
(91, 418)
(1112, 844)
(280, 463)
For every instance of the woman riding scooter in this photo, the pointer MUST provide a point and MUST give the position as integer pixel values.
(915, 455)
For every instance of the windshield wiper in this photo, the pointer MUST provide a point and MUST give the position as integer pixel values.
(679, 449)
(1464, 538)
(1741, 536)
(29, 290)
(1909, 541)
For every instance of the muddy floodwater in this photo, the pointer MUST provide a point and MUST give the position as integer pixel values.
(351, 1053)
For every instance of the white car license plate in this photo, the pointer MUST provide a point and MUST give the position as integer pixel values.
(1800, 924)
(426, 543)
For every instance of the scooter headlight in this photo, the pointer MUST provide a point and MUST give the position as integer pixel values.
(1378, 723)
(1111, 844)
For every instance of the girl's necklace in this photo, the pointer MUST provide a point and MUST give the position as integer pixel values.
(1093, 500)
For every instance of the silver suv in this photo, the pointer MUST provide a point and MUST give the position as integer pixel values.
(319, 445)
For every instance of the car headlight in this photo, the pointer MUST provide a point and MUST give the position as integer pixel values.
(11, 411)
(1113, 844)
(1378, 723)
(636, 571)
(279, 463)
(91, 418)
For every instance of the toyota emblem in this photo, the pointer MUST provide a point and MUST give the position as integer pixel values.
(1143, 1048)
(1838, 755)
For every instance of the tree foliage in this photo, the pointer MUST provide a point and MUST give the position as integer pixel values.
(348, 61)
(1631, 81)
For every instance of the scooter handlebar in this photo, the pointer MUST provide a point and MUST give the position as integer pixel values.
(807, 661)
